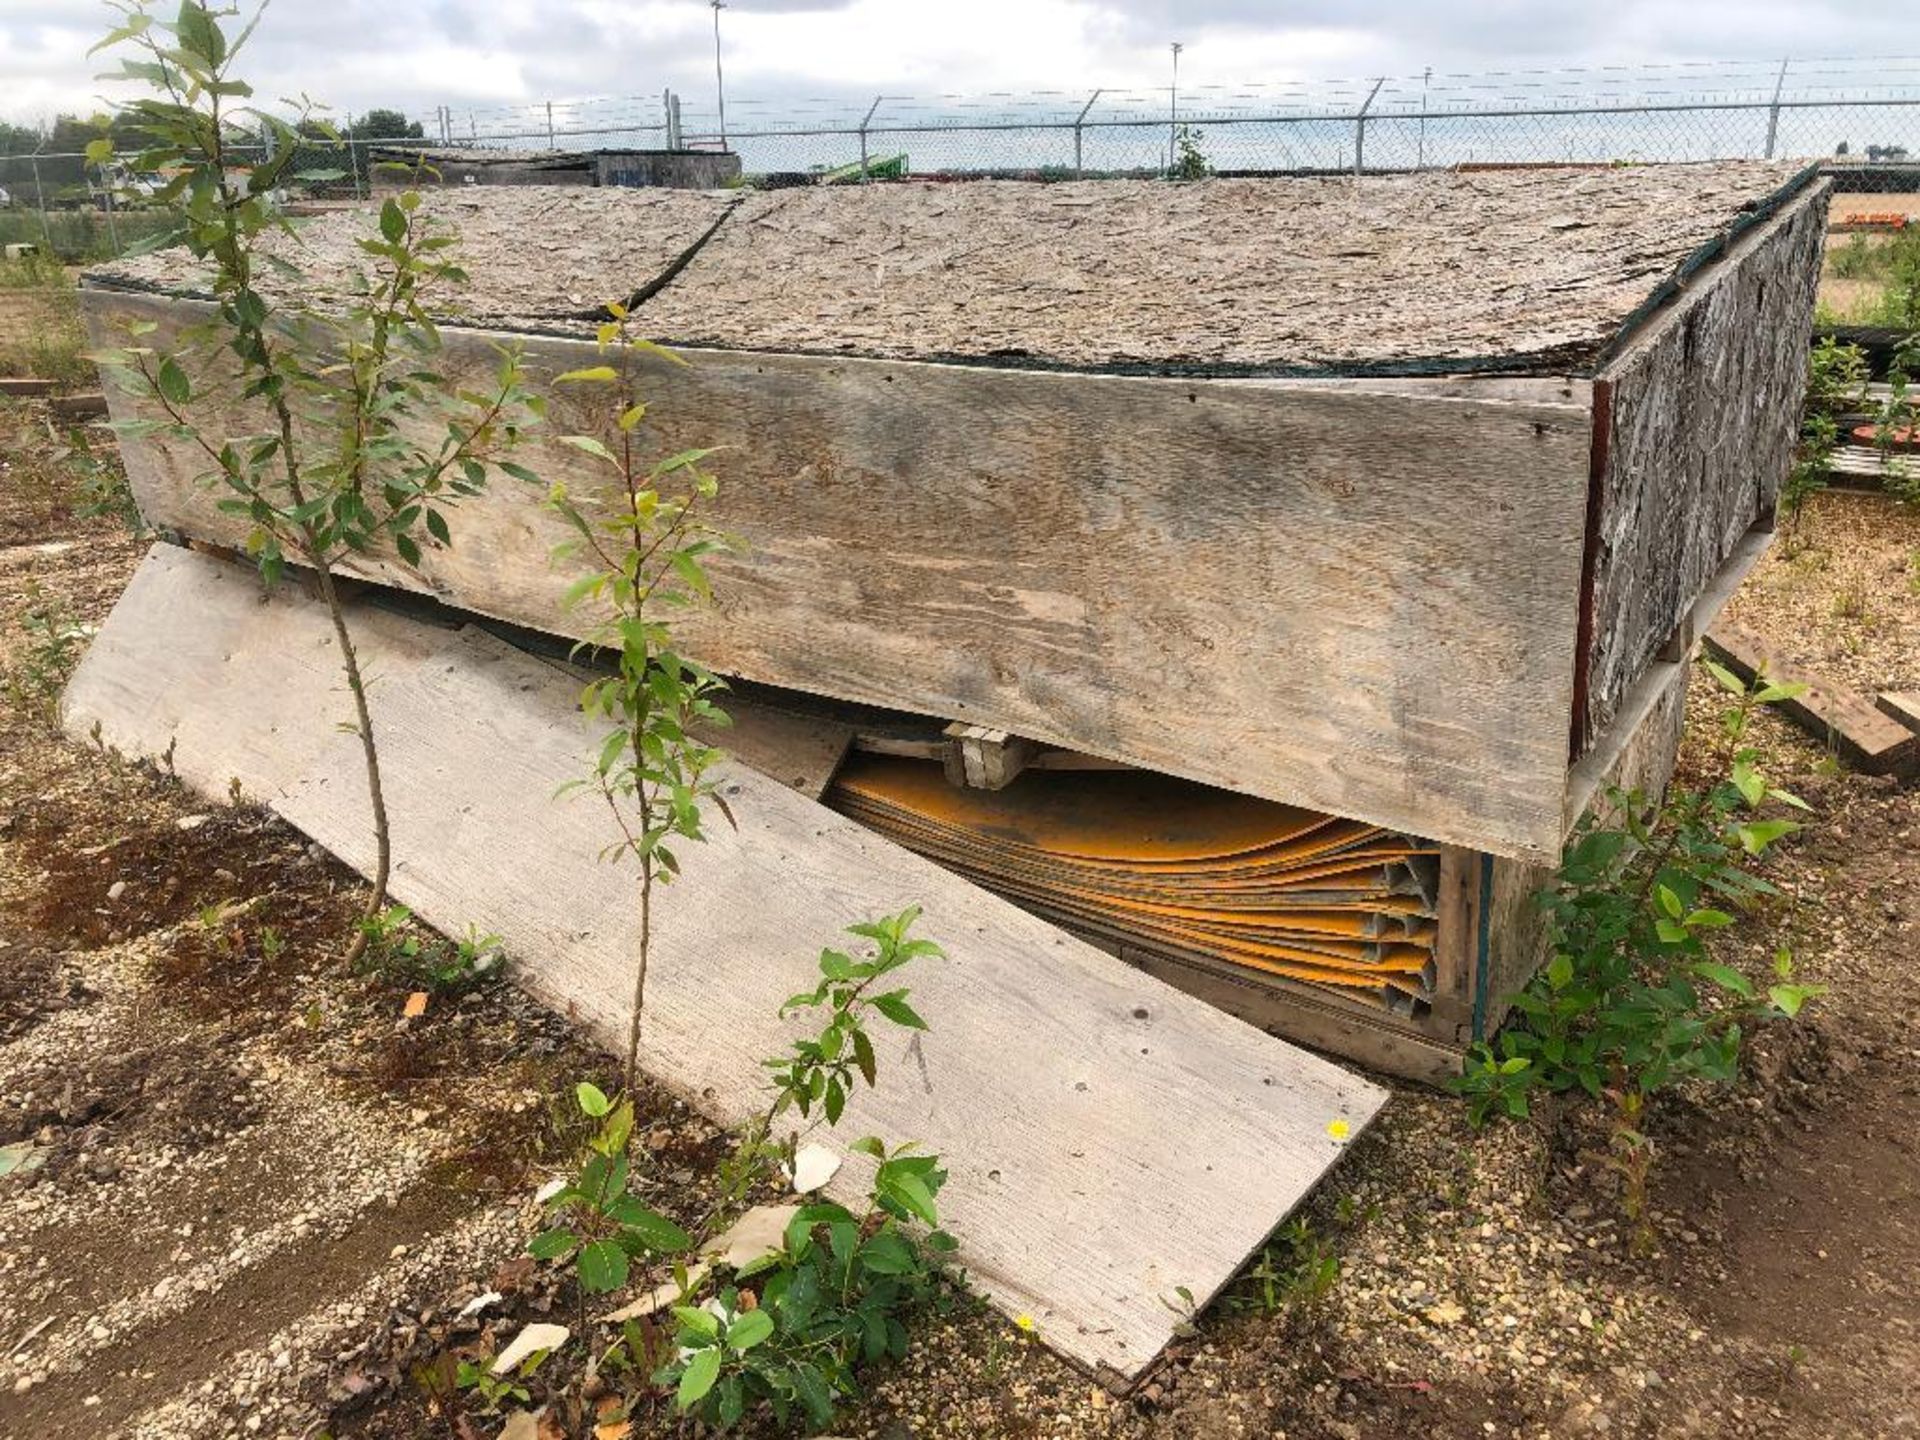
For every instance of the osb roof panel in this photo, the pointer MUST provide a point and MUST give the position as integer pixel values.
(1507, 270)
(536, 254)
(1540, 266)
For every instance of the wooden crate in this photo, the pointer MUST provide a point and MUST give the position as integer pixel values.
(1382, 498)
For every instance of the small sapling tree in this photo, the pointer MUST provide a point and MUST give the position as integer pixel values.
(1632, 1002)
(330, 427)
(785, 1320)
(645, 545)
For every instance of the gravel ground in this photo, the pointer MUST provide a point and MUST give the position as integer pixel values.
(1842, 591)
(263, 1196)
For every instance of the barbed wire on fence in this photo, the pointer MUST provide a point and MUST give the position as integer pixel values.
(1866, 107)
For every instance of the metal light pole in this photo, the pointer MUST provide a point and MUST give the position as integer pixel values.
(719, 81)
(1173, 111)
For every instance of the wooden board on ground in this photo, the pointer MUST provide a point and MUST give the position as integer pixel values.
(1861, 734)
(1109, 1139)
(1901, 705)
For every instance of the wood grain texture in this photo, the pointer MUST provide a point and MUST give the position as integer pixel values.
(204, 628)
(1860, 732)
(1108, 1138)
(1360, 603)
(1901, 705)
(1704, 417)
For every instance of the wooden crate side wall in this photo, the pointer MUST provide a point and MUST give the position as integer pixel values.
(1517, 939)
(1360, 603)
(1704, 414)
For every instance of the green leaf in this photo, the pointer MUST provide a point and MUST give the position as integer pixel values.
(1729, 681)
(888, 1254)
(198, 33)
(750, 1330)
(1670, 902)
(603, 1267)
(863, 1056)
(135, 26)
(393, 221)
(173, 383)
(653, 1229)
(593, 1100)
(894, 1006)
(593, 374)
(1726, 977)
(1788, 999)
(1757, 835)
(696, 1323)
(552, 1244)
(590, 446)
(811, 1387)
(698, 1379)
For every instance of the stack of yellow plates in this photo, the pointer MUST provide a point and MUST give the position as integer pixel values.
(1182, 870)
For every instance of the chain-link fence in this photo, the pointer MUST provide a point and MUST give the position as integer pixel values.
(1864, 109)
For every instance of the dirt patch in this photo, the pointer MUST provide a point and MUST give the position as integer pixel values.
(1842, 591)
(141, 880)
(157, 1097)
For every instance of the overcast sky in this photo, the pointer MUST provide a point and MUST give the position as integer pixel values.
(416, 54)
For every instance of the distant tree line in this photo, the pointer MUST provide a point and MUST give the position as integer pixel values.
(63, 177)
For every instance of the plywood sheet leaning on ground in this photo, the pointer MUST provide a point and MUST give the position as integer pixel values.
(1355, 602)
(1109, 1139)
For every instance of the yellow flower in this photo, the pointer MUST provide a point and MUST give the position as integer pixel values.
(1339, 1129)
(1025, 1322)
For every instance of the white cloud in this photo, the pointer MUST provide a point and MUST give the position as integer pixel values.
(417, 54)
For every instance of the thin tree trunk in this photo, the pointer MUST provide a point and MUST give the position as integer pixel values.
(382, 836)
(640, 973)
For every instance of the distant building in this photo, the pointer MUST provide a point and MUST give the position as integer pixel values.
(397, 165)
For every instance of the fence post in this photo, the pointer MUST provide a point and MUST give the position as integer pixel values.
(1360, 128)
(40, 199)
(113, 227)
(1773, 110)
(871, 109)
(1079, 169)
(550, 144)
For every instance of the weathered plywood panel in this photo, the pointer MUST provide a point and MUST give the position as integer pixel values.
(539, 254)
(1526, 269)
(1704, 409)
(1109, 1139)
(139, 684)
(1360, 603)
(1533, 268)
